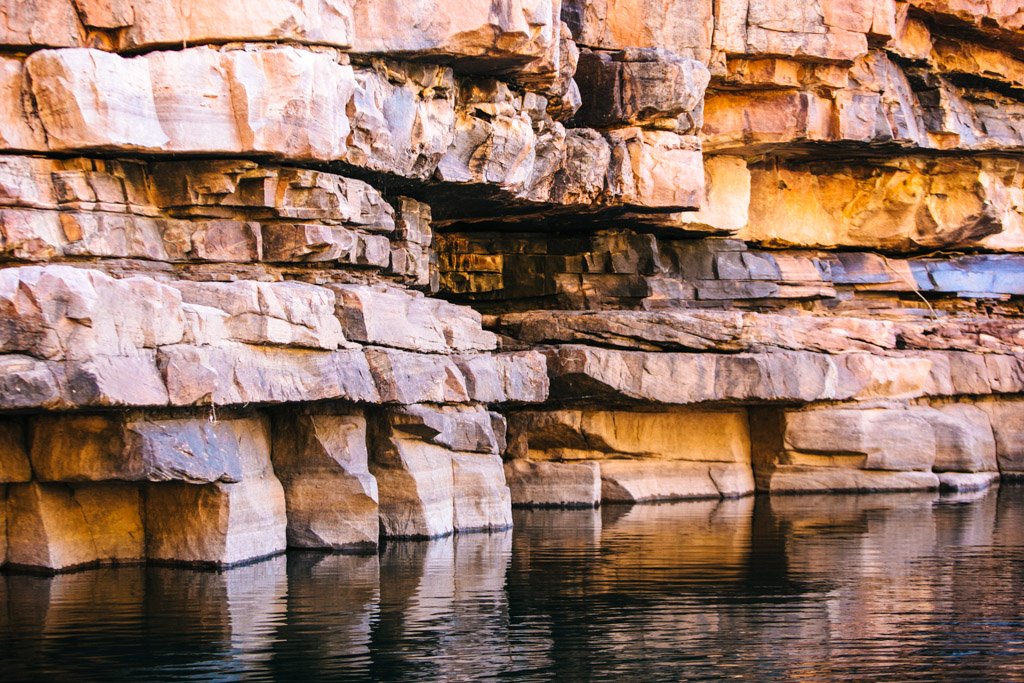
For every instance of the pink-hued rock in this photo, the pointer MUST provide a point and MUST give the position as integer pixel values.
(58, 312)
(495, 34)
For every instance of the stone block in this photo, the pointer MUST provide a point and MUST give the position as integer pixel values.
(153, 23)
(57, 311)
(389, 316)
(457, 428)
(677, 25)
(330, 495)
(964, 441)
(439, 471)
(134, 447)
(415, 481)
(220, 525)
(833, 30)
(653, 88)
(494, 35)
(55, 527)
(965, 482)
(636, 481)
(14, 462)
(553, 484)
(909, 205)
(481, 500)
(1007, 417)
(671, 435)
(655, 169)
(891, 438)
(803, 479)
(273, 313)
(239, 373)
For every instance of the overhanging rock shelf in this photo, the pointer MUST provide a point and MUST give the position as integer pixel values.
(283, 273)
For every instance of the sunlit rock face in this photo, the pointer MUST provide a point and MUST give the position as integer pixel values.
(316, 274)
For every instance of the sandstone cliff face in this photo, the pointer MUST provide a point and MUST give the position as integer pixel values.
(303, 274)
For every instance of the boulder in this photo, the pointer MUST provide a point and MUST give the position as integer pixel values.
(330, 495)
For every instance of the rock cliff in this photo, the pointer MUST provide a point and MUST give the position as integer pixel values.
(283, 273)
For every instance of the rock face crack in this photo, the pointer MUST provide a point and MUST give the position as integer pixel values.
(425, 261)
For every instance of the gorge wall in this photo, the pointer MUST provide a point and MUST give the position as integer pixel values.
(314, 273)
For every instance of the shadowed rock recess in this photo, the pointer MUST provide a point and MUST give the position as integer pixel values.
(313, 273)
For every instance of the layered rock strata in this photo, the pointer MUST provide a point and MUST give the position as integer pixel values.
(313, 274)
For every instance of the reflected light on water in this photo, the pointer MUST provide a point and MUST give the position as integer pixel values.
(803, 588)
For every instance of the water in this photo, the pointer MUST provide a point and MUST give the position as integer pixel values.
(895, 587)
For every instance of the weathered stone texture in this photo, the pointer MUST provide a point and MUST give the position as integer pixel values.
(63, 526)
(274, 273)
(438, 471)
(220, 524)
(138, 448)
(330, 495)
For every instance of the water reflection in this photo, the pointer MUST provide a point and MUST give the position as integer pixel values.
(909, 587)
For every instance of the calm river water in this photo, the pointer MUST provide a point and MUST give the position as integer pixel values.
(887, 588)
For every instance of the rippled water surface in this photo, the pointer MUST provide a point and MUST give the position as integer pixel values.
(897, 587)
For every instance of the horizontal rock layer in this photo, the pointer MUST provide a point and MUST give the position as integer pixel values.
(312, 274)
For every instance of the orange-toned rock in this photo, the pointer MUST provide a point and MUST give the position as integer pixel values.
(682, 27)
(149, 23)
(656, 169)
(56, 527)
(907, 205)
(136, 447)
(14, 463)
(833, 30)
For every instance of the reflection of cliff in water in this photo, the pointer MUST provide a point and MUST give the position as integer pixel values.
(788, 587)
